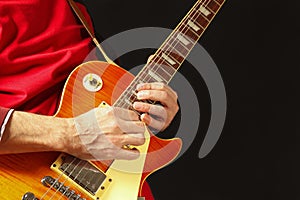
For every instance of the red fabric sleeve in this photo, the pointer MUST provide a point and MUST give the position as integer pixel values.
(41, 42)
(3, 113)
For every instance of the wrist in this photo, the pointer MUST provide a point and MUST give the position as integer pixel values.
(61, 134)
(68, 139)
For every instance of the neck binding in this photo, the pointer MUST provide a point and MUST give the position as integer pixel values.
(169, 57)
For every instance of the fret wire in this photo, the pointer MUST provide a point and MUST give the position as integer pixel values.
(169, 76)
(179, 55)
(186, 38)
(172, 57)
(134, 82)
(159, 76)
(213, 6)
(206, 6)
(211, 10)
(217, 2)
(173, 66)
(173, 37)
(199, 24)
(181, 46)
(190, 34)
(164, 66)
(202, 15)
(199, 17)
(178, 52)
(196, 34)
(185, 26)
(130, 87)
(197, 9)
(148, 77)
(196, 4)
(166, 72)
(170, 45)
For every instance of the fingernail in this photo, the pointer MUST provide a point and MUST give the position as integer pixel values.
(139, 86)
(137, 105)
(142, 94)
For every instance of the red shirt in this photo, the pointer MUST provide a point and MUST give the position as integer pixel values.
(41, 41)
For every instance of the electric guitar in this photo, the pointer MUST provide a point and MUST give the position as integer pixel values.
(52, 175)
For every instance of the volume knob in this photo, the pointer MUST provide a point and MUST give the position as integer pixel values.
(29, 196)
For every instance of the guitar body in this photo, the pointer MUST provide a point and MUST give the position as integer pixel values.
(52, 175)
(22, 173)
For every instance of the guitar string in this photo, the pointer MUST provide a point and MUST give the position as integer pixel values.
(57, 180)
(183, 26)
(91, 178)
(145, 73)
(65, 180)
(75, 177)
(170, 46)
(191, 14)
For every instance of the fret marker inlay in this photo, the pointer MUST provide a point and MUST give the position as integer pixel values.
(193, 25)
(167, 58)
(183, 39)
(204, 11)
(156, 77)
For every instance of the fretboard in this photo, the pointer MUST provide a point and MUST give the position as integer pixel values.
(169, 57)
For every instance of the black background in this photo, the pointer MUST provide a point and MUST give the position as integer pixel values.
(255, 45)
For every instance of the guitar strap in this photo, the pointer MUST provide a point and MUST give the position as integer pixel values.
(89, 30)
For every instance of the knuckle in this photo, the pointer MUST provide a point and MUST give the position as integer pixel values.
(141, 140)
(111, 112)
(114, 126)
(163, 85)
(110, 153)
(160, 85)
(146, 107)
(164, 96)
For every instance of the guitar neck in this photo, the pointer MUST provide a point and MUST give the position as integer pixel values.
(169, 57)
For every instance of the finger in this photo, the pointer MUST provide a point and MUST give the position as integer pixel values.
(150, 58)
(152, 122)
(125, 114)
(156, 95)
(157, 86)
(156, 110)
(128, 154)
(131, 126)
(134, 139)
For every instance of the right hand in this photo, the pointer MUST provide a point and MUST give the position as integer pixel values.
(102, 133)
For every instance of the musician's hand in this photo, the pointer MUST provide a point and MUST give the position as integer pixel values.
(157, 116)
(103, 132)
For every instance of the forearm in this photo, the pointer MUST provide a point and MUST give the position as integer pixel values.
(26, 132)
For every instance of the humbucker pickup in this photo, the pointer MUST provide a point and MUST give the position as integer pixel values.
(84, 175)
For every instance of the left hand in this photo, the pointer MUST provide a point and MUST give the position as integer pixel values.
(158, 117)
